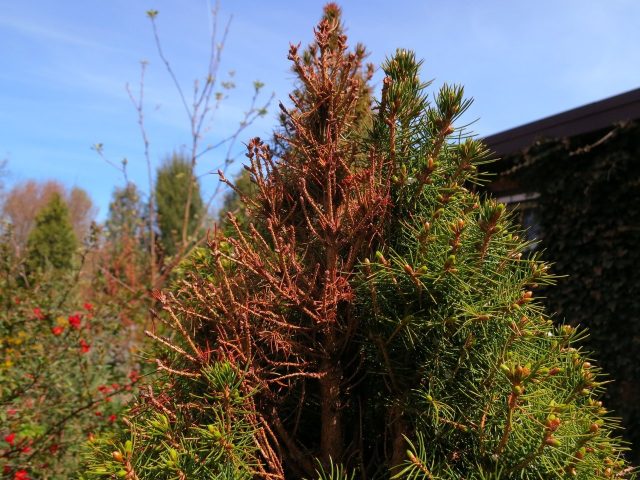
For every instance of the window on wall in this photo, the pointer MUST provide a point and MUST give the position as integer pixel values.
(525, 208)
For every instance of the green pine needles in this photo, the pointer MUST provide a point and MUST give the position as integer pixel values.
(462, 349)
(52, 243)
(171, 442)
(371, 316)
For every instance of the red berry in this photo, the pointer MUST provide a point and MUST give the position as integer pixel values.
(84, 346)
(10, 439)
(21, 475)
(74, 321)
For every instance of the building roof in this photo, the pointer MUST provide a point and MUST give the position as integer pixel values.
(588, 118)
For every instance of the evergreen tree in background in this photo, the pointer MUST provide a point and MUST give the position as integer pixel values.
(125, 257)
(126, 214)
(178, 192)
(372, 317)
(52, 242)
(23, 202)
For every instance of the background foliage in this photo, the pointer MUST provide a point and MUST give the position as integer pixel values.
(66, 364)
(52, 243)
(176, 184)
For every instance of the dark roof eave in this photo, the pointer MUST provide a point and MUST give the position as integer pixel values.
(588, 118)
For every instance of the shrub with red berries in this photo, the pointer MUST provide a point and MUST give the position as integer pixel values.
(62, 360)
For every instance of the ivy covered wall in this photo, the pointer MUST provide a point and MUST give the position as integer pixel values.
(589, 217)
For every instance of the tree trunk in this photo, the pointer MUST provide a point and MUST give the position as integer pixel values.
(331, 439)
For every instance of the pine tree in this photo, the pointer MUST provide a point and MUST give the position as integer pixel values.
(375, 320)
(126, 214)
(24, 201)
(125, 254)
(332, 14)
(51, 243)
(243, 188)
(177, 192)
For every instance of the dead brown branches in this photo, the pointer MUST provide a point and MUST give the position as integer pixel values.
(279, 304)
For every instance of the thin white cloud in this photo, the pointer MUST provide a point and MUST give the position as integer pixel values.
(46, 33)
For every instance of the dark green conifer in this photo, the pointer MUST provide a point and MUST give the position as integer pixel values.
(126, 214)
(52, 243)
(179, 204)
(126, 252)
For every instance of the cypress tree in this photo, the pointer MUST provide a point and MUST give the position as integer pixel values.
(126, 251)
(126, 215)
(375, 320)
(52, 242)
(175, 183)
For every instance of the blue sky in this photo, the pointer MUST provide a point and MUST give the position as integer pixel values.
(65, 65)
